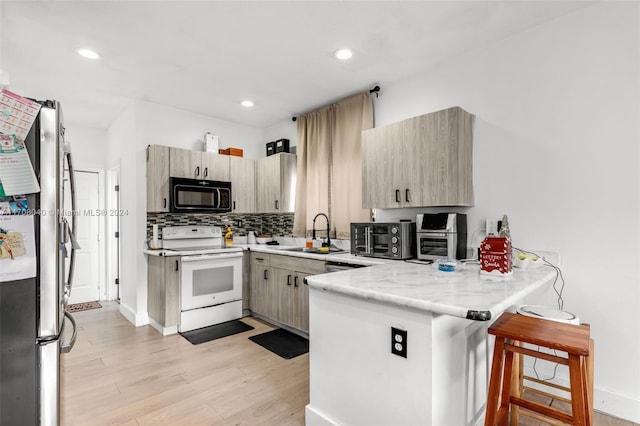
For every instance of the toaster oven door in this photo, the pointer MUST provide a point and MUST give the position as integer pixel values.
(436, 245)
(361, 239)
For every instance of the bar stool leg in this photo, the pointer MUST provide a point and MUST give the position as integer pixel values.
(507, 378)
(590, 377)
(516, 385)
(578, 390)
(494, 382)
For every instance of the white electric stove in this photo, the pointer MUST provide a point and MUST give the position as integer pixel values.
(210, 275)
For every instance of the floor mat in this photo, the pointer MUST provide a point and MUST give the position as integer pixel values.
(217, 331)
(282, 342)
(77, 307)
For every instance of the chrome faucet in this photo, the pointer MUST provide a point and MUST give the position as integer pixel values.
(313, 232)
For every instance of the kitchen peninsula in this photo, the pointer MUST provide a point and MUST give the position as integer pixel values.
(354, 377)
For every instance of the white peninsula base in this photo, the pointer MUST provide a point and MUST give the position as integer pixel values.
(356, 380)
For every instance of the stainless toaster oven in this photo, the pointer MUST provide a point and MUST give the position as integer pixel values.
(391, 240)
(441, 236)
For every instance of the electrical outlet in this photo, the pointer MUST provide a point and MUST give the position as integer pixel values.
(399, 342)
(491, 227)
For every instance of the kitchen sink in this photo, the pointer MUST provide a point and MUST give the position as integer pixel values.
(313, 250)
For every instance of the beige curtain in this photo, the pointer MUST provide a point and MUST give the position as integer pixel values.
(352, 116)
(329, 177)
(312, 182)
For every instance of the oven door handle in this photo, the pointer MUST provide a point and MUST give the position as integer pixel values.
(214, 256)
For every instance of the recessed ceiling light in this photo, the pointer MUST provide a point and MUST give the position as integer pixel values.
(88, 53)
(247, 104)
(343, 54)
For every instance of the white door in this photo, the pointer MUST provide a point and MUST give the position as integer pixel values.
(87, 278)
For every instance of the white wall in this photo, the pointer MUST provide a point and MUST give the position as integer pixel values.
(88, 145)
(556, 148)
(124, 150)
(163, 125)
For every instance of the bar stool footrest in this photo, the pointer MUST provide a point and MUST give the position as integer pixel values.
(542, 409)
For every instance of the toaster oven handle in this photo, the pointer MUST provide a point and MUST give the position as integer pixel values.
(367, 239)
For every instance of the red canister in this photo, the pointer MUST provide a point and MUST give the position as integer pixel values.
(495, 256)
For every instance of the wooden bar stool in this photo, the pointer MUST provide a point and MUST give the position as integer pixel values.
(511, 331)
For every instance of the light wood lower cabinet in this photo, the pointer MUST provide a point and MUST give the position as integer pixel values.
(278, 290)
(163, 291)
(262, 292)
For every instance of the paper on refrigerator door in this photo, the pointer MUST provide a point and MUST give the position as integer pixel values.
(16, 172)
(17, 247)
(17, 114)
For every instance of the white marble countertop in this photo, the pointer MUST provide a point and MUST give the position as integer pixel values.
(465, 294)
(344, 257)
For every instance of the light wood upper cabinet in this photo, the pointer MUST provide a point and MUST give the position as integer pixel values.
(186, 163)
(164, 162)
(215, 166)
(419, 162)
(242, 173)
(157, 178)
(275, 183)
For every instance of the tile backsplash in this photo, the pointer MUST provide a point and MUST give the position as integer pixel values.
(273, 224)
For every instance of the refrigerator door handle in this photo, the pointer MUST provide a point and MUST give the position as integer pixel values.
(74, 246)
(65, 347)
(71, 230)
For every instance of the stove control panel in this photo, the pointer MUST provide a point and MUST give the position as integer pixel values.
(190, 232)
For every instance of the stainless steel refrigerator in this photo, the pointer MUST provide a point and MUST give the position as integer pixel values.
(32, 310)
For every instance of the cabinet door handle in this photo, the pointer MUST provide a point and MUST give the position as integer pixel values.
(260, 259)
(289, 279)
(406, 195)
(397, 195)
(206, 172)
(266, 274)
(234, 205)
(197, 171)
(277, 205)
(295, 281)
(177, 267)
(165, 202)
(304, 280)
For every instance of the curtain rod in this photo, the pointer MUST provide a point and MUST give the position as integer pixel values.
(375, 90)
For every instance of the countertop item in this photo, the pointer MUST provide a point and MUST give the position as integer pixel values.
(464, 294)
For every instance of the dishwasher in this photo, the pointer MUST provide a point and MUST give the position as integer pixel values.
(333, 266)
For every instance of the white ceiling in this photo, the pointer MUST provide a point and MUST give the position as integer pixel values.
(207, 56)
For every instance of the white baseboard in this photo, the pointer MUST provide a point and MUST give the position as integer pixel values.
(606, 401)
(165, 331)
(134, 317)
(312, 417)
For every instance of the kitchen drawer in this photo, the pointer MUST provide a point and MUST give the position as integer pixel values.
(295, 263)
(260, 258)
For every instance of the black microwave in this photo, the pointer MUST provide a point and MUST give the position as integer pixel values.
(197, 195)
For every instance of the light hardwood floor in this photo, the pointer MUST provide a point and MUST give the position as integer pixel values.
(118, 374)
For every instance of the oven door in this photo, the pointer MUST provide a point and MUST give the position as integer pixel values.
(210, 279)
(436, 245)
